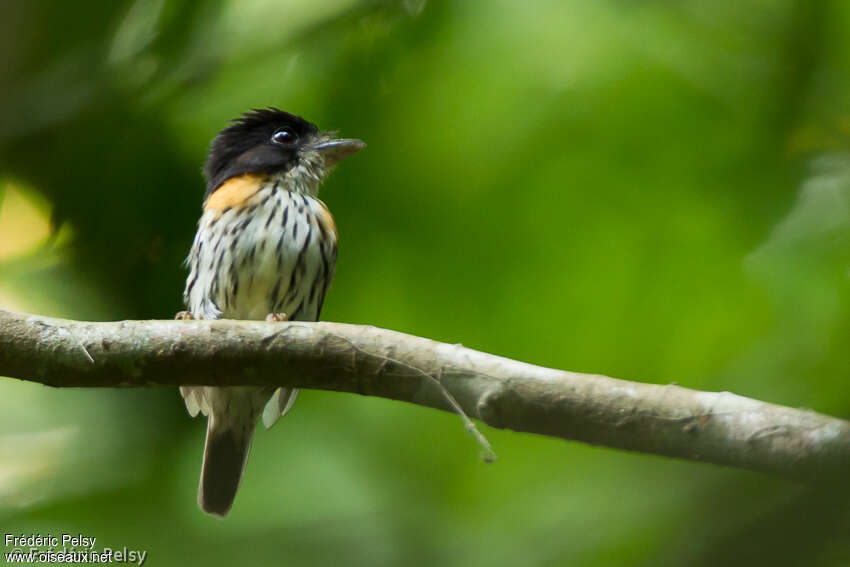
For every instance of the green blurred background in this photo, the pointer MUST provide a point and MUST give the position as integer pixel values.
(657, 191)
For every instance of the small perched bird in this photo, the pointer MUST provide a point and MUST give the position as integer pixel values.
(265, 248)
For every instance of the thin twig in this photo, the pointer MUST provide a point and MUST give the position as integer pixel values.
(487, 453)
(88, 354)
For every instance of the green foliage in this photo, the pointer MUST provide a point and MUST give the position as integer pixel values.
(651, 190)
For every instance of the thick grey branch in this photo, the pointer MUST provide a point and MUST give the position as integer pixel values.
(720, 428)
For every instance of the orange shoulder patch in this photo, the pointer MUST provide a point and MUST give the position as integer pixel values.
(326, 221)
(235, 192)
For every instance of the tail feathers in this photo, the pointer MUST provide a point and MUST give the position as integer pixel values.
(225, 455)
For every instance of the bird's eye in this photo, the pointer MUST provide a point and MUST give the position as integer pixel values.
(284, 137)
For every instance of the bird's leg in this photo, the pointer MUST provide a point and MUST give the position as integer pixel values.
(276, 317)
(185, 316)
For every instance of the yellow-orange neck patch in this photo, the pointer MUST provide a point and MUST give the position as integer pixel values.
(325, 220)
(235, 192)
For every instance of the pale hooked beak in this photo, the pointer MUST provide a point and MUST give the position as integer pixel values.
(336, 150)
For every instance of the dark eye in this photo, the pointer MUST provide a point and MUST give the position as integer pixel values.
(284, 137)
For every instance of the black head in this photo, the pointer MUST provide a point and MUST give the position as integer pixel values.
(260, 141)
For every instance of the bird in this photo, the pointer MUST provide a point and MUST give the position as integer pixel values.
(265, 248)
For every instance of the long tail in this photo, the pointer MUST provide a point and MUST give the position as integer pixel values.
(225, 454)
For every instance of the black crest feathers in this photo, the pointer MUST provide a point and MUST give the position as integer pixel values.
(246, 145)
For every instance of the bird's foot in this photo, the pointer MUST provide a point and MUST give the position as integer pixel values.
(185, 316)
(276, 317)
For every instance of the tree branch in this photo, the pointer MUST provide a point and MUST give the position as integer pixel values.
(719, 428)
